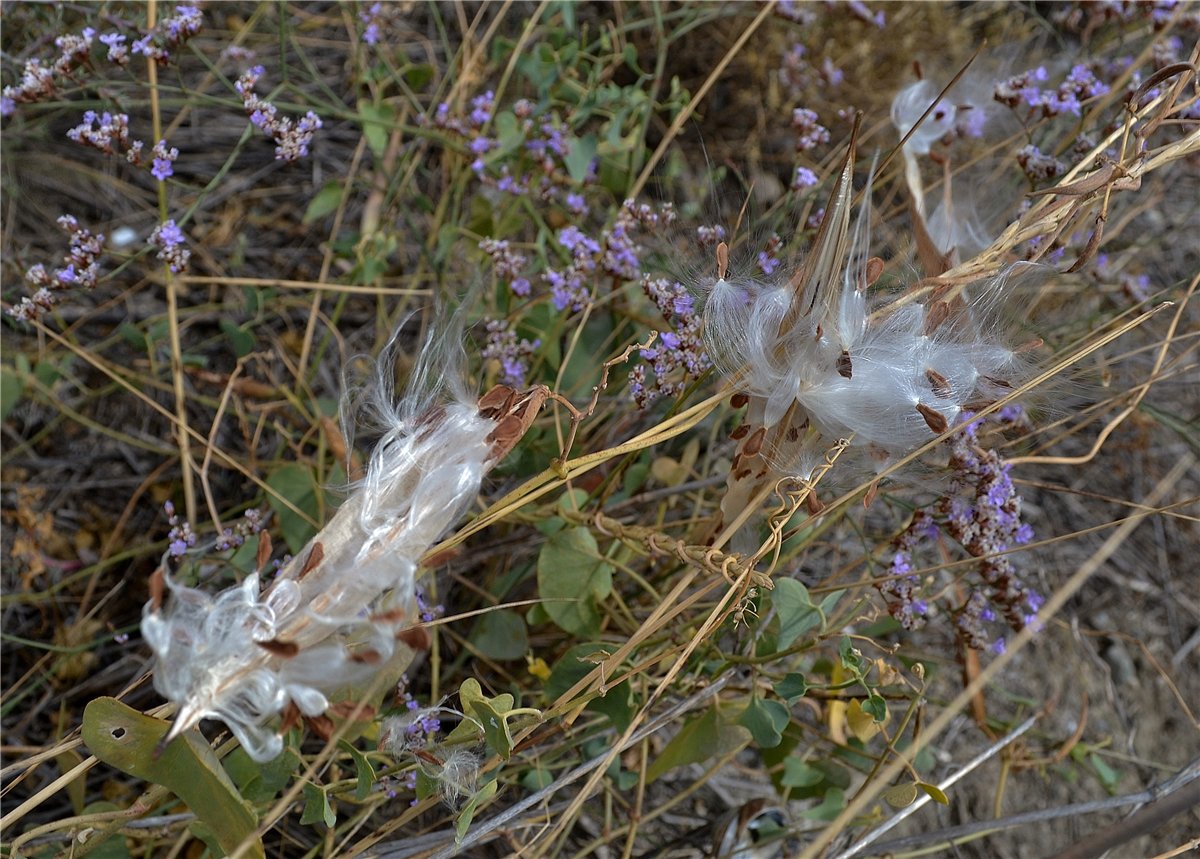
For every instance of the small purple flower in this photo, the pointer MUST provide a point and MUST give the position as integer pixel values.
(804, 178)
(766, 263)
(513, 356)
(576, 205)
(169, 240)
(481, 108)
(164, 160)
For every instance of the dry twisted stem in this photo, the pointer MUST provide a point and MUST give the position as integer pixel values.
(731, 565)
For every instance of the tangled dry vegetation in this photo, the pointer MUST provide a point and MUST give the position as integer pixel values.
(753, 484)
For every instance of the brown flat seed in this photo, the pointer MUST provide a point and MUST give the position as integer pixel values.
(813, 503)
(346, 709)
(416, 637)
(935, 419)
(322, 726)
(286, 649)
(390, 616)
(157, 583)
(740, 432)
(290, 717)
(844, 367)
(264, 550)
(755, 442)
(935, 314)
(872, 491)
(366, 657)
(497, 401)
(939, 383)
(739, 400)
(873, 270)
(314, 558)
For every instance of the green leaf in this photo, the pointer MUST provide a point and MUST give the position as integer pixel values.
(572, 579)
(852, 660)
(797, 773)
(1108, 776)
(296, 483)
(325, 202)
(580, 157)
(11, 388)
(363, 768)
(797, 612)
(700, 739)
(876, 707)
(128, 740)
(468, 812)
(112, 847)
(935, 792)
(376, 125)
(316, 807)
(240, 340)
(617, 703)
(765, 719)
(260, 782)
(416, 76)
(536, 779)
(791, 687)
(501, 635)
(830, 807)
(491, 713)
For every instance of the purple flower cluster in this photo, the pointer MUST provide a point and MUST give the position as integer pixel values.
(118, 52)
(181, 537)
(546, 145)
(804, 178)
(169, 240)
(509, 265)
(1079, 17)
(809, 132)
(615, 254)
(1136, 287)
(901, 588)
(169, 34)
(428, 613)
(378, 20)
(513, 356)
(231, 538)
(679, 356)
(108, 132)
(81, 269)
(982, 512)
(164, 160)
(768, 257)
(39, 81)
(797, 74)
(860, 11)
(709, 236)
(292, 137)
(1039, 166)
(1079, 85)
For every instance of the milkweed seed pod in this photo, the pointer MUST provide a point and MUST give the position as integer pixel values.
(958, 128)
(816, 362)
(330, 617)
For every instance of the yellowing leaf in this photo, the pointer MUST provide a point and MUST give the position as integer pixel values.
(900, 795)
(862, 724)
(935, 792)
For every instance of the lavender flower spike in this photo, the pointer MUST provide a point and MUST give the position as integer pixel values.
(330, 618)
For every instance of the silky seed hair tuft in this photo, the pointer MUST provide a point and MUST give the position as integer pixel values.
(329, 620)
